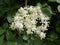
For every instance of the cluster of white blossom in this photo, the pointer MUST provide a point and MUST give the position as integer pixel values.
(28, 18)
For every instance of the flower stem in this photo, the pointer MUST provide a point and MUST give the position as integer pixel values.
(25, 2)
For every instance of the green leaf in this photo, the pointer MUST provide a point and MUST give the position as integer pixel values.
(9, 1)
(38, 42)
(58, 8)
(5, 26)
(1, 40)
(52, 0)
(1, 11)
(12, 43)
(49, 43)
(58, 1)
(52, 37)
(34, 42)
(19, 40)
(6, 1)
(30, 42)
(9, 18)
(47, 11)
(10, 36)
(10, 15)
(1, 31)
(58, 29)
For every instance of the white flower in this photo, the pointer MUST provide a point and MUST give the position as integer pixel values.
(29, 17)
(12, 25)
(22, 11)
(29, 31)
(19, 25)
(25, 37)
(42, 35)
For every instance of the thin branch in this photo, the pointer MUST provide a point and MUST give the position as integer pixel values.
(25, 2)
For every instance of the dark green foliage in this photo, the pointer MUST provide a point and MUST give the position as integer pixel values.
(8, 9)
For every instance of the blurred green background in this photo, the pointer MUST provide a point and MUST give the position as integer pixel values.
(8, 9)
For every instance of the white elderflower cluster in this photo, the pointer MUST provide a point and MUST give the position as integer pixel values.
(32, 19)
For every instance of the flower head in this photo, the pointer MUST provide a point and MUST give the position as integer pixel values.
(27, 17)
